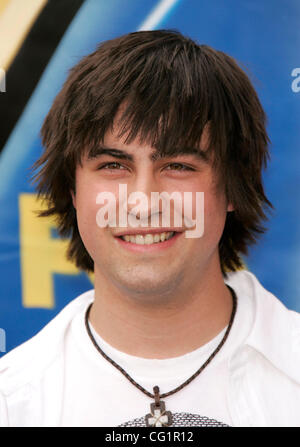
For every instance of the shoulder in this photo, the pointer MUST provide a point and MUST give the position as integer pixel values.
(275, 331)
(34, 356)
(245, 282)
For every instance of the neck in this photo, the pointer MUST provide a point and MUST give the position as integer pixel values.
(169, 328)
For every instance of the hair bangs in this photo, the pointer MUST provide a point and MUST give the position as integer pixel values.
(160, 96)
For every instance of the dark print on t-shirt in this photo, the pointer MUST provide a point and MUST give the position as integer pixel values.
(180, 420)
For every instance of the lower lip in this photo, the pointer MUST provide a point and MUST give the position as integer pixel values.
(158, 246)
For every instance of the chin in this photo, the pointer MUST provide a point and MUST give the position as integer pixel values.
(145, 286)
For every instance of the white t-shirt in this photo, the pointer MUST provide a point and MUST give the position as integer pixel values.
(97, 394)
(58, 378)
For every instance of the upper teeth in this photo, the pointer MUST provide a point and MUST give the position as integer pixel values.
(148, 238)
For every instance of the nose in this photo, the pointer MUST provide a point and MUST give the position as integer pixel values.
(139, 204)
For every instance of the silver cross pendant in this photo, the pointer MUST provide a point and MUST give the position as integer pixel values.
(158, 417)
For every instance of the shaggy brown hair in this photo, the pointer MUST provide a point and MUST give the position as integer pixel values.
(171, 87)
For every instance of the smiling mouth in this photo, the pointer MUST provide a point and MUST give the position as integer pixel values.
(148, 238)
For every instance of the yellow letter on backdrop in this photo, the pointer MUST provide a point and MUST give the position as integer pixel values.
(41, 255)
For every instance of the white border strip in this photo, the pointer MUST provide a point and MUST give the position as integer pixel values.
(156, 15)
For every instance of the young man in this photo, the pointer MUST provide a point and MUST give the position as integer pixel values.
(176, 332)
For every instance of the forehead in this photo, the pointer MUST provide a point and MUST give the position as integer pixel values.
(115, 144)
(136, 148)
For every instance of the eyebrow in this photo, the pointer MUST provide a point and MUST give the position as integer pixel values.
(98, 151)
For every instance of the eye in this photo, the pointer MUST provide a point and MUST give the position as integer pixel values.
(179, 167)
(113, 165)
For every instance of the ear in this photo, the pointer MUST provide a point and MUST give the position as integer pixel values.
(73, 198)
(230, 207)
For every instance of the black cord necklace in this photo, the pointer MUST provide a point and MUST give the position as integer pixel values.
(158, 416)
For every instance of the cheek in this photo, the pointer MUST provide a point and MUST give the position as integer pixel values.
(88, 188)
(86, 220)
(86, 209)
(85, 200)
(214, 216)
(205, 203)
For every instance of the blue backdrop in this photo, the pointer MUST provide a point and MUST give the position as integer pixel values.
(264, 37)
